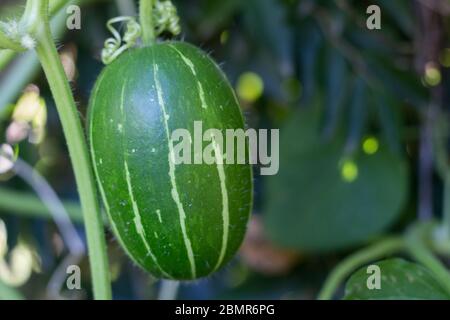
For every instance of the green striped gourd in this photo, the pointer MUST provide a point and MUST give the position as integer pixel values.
(177, 221)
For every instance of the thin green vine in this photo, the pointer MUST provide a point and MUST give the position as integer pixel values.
(446, 206)
(27, 65)
(344, 269)
(59, 85)
(422, 241)
(157, 17)
(35, 28)
(26, 204)
(440, 138)
(416, 240)
(146, 20)
(6, 56)
(33, 32)
(5, 41)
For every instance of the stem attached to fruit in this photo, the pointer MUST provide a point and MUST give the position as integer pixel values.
(146, 21)
(59, 85)
(347, 266)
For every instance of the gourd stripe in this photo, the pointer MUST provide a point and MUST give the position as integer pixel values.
(225, 210)
(100, 184)
(219, 164)
(137, 216)
(138, 222)
(171, 159)
(191, 66)
(158, 213)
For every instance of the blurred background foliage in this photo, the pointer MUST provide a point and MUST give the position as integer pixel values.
(359, 113)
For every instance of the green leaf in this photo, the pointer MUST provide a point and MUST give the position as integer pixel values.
(310, 206)
(389, 118)
(265, 24)
(401, 12)
(400, 280)
(311, 41)
(336, 87)
(358, 115)
(12, 10)
(213, 15)
(401, 83)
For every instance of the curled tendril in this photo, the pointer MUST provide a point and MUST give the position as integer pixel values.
(115, 46)
(166, 18)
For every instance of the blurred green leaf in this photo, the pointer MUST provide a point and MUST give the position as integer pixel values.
(213, 15)
(367, 41)
(12, 10)
(336, 87)
(402, 83)
(400, 280)
(8, 293)
(311, 206)
(311, 40)
(401, 12)
(357, 114)
(390, 122)
(266, 24)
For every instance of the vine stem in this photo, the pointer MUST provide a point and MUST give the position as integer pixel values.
(59, 85)
(6, 56)
(6, 43)
(27, 204)
(347, 266)
(446, 206)
(440, 136)
(415, 243)
(146, 20)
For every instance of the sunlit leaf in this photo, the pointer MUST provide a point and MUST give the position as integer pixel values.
(399, 280)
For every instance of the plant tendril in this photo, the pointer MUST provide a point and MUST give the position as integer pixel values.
(166, 18)
(113, 46)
